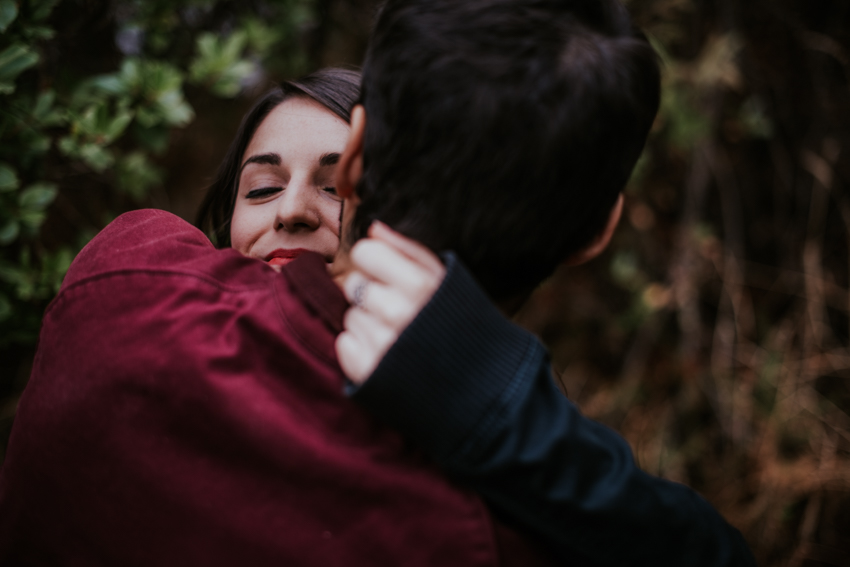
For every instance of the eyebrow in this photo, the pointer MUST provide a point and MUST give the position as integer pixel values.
(274, 159)
(329, 159)
(270, 159)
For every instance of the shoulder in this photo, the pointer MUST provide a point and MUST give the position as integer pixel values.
(134, 240)
(152, 242)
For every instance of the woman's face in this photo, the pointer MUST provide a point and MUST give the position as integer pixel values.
(286, 202)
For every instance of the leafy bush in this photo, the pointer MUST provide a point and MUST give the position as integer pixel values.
(61, 119)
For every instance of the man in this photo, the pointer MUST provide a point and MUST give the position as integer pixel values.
(185, 405)
(517, 124)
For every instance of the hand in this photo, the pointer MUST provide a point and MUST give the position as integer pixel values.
(392, 280)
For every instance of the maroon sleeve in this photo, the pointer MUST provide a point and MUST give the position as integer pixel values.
(186, 408)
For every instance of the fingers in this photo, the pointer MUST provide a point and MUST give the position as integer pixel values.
(351, 358)
(394, 259)
(389, 304)
(392, 279)
(357, 288)
(381, 262)
(410, 248)
(363, 344)
(371, 332)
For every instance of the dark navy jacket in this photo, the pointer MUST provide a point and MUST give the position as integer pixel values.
(476, 392)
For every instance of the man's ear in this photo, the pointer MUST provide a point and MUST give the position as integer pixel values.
(602, 239)
(349, 169)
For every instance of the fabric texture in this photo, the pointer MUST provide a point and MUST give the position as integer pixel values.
(186, 408)
(478, 395)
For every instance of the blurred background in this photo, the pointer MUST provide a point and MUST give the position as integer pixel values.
(714, 334)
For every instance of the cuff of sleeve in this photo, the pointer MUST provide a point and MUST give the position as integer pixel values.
(449, 368)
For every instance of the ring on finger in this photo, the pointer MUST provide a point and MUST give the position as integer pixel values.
(358, 296)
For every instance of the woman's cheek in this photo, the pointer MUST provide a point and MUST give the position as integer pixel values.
(332, 214)
(242, 230)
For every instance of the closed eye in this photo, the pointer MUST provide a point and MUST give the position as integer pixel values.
(329, 190)
(263, 192)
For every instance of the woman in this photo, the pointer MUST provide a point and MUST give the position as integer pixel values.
(273, 196)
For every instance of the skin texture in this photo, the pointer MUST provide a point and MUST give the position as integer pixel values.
(287, 198)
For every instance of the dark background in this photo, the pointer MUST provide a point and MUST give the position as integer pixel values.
(713, 334)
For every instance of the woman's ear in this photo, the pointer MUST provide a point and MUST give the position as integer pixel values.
(602, 239)
(349, 169)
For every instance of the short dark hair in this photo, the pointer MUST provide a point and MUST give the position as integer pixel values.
(335, 89)
(503, 129)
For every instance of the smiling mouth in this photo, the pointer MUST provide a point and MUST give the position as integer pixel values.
(281, 257)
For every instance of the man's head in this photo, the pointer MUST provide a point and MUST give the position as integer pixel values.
(502, 129)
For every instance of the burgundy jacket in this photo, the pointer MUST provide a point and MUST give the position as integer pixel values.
(186, 408)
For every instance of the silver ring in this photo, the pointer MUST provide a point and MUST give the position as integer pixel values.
(358, 296)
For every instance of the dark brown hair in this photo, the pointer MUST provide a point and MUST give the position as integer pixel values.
(502, 129)
(335, 89)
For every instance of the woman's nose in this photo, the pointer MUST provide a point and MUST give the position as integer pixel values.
(297, 209)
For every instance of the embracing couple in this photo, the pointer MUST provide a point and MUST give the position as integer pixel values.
(321, 390)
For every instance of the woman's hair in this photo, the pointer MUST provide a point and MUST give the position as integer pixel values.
(335, 89)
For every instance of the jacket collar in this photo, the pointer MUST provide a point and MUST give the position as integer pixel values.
(310, 280)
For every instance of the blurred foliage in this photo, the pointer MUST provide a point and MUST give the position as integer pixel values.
(105, 117)
(714, 334)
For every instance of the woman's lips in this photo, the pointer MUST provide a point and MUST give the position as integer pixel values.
(282, 257)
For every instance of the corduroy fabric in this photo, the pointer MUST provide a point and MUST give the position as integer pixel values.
(186, 408)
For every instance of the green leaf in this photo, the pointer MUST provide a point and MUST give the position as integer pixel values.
(207, 46)
(261, 38)
(39, 33)
(148, 117)
(154, 138)
(9, 232)
(43, 104)
(8, 178)
(54, 268)
(5, 308)
(37, 197)
(174, 110)
(96, 157)
(32, 220)
(156, 78)
(15, 59)
(20, 274)
(112, 84)
(43, 111)
(135, 175)
(37, 143)
(218, 63)
(233, 45)
(68, 146)
(117, 125)
(129, 72)
(43, 8)
(230, 81)
(90, 121)
(10, 273)
(8, 13)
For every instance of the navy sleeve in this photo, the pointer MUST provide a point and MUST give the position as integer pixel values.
(475, 391)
